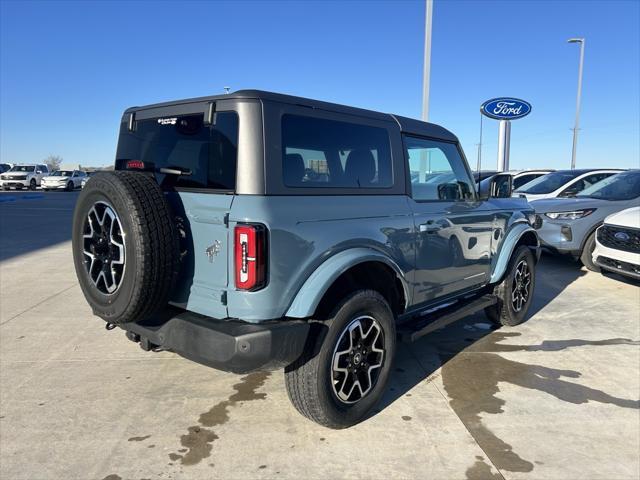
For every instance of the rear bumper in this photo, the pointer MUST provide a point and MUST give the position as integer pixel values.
(229, 345)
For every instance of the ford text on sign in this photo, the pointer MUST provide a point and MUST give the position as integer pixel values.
(505, 108)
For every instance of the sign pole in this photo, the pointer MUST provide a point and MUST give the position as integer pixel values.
(504, 141)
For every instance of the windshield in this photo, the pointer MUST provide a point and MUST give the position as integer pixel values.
(205, 154)
(62, 173)
(548, 183)
(623, 186)
(23, 168)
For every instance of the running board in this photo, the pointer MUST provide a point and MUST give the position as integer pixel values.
(423, 326)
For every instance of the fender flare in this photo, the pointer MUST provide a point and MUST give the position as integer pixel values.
(308, 297)
(515, 233)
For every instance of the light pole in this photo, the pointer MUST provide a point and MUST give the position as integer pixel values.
(426, 72)
(426, 78)
(581, 41)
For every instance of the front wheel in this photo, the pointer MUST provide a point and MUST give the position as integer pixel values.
(69, 187)
(32, 184)
(344, 371)
(515, 291)
(587, 253)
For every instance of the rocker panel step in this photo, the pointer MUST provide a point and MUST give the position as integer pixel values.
(416, 329)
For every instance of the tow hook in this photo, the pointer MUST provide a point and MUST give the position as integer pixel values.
(110, 326)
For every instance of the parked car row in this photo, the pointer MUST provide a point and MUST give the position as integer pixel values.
(34, 176)
(591, 214)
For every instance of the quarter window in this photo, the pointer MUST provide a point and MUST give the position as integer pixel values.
(332, 154)
(437, 171)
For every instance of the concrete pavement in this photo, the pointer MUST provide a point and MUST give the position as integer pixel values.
(557, 397)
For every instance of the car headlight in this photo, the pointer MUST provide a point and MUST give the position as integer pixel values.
(573, 215)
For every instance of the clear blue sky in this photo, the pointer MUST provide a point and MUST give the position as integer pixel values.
(69, 69)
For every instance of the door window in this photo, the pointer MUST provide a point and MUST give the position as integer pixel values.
(438, 172)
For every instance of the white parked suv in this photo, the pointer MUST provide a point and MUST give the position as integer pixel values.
(63, 180)
(562, 183)
(24, 176)
(618, 243)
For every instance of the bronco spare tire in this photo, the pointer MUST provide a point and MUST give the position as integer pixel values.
(125, 246)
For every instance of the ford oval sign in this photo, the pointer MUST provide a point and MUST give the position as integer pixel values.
(505, 108)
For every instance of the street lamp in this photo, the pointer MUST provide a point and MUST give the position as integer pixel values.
(581, 41)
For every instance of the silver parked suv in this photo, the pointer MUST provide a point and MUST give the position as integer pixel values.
(261, 231)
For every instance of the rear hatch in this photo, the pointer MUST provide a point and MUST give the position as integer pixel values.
(194, 162)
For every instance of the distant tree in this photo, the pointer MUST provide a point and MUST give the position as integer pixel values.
(53, 162)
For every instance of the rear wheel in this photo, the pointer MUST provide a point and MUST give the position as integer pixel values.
(587, 253)
(515, 292)
(345, 369)
(125, 246)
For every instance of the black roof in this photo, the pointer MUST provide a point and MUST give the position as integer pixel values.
(408, 125)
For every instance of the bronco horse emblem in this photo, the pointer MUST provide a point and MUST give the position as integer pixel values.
(213, 250)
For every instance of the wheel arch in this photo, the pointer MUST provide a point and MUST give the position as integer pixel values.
(346, 272)
(520, 234)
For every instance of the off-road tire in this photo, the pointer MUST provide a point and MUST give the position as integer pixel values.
(503, 312)
(150, 245)
(586, 257)
(309, 379)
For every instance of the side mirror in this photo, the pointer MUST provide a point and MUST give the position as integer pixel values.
(500, 186)
(569, 193)
(38, 172)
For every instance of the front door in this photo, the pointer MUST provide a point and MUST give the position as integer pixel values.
(452, 229)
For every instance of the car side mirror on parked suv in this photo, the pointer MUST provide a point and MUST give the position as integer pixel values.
(500, 186)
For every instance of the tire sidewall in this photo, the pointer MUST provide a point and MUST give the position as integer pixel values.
(586, 257)
(360, 303)
(515, 318)
(106, 306)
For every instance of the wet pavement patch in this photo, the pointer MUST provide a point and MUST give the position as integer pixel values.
(198, 441)
(471, 383)
(482, 471)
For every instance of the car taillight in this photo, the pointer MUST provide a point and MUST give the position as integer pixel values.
(250, 256)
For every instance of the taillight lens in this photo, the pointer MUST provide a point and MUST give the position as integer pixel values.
(250, 257)
(135, 164)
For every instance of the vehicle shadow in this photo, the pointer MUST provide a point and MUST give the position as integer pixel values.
(418, 362)
(465, 362)
(33, 220)
(621, 278)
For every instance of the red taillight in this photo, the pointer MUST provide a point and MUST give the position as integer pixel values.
(250, 257)
(137, 164)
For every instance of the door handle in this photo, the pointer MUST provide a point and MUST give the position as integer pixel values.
(429, 227)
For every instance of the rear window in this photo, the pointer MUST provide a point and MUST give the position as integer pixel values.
(331, 154)
(195, 155)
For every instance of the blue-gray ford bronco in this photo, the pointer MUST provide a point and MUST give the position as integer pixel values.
(258, 231)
